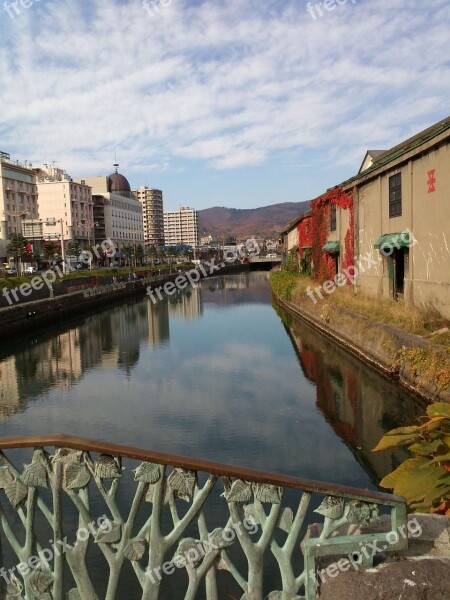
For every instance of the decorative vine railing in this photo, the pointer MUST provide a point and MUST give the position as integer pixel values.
(164, 517)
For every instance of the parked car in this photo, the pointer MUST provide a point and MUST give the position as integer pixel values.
(271, 256)
(12, 271)
(30, 270)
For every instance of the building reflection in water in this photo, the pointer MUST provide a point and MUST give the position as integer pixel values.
(247, 287)
(111, 338)
(359, 405)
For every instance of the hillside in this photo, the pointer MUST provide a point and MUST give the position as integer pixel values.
(265, 222)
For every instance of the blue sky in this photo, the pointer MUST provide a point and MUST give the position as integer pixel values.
(238, 103)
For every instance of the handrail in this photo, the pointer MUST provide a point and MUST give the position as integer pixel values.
(220, 469)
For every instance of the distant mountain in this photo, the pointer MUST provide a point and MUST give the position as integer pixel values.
(265, 222)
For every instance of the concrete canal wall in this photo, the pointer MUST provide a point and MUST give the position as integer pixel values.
(376, 344)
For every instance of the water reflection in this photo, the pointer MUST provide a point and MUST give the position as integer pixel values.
(359, 405)
(208, 373)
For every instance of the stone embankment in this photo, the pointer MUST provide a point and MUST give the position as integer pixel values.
(419, 573)
(378, 345)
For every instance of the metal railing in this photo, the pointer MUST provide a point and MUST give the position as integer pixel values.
(174, 520)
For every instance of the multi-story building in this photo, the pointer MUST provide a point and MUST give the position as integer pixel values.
(67, 205)
(18, 198)
(117, 213)
(181, 227)
(153, 214)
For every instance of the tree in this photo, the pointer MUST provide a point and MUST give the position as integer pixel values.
(18, 247)
(73, 249)
(139, 254)
(127, 253)
(151, 252)
(49, 250)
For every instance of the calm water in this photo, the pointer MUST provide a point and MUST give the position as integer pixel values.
(214, 373)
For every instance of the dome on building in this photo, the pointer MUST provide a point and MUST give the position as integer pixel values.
(118, 184)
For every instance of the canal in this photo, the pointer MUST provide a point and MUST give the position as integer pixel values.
(216, 372)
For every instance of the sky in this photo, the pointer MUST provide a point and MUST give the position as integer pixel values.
(237, 103)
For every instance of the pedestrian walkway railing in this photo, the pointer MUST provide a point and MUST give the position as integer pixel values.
(82, 515)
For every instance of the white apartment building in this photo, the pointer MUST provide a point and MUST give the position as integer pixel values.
(181, 227)
(153, 214)
(18, 198)
(117, 213)
(67, 204)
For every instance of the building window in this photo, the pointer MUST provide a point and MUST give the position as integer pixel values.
(395, 195)
(333, 217)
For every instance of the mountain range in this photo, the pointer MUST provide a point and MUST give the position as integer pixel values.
(265, 222)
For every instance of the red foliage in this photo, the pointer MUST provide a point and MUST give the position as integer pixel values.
(304, 230)
(321, 208)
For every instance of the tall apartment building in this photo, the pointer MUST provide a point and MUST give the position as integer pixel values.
(66, 203)
(153, 214)
(117, 214)
(181, 227)
(18, 198)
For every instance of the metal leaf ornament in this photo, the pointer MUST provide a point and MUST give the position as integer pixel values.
(361, 513)
(34, 475)
(265, 492)
(106, 467)
(182, 483)
(5, 477)
(240, 491)
(135, 550)
(40, 580)
(331, 507)
(16, 492)
(109, 537)
(251, 514)
(67, 455)
(148, 473)
(185, 545)
(217, 539)
(286, 520)
(76, 475)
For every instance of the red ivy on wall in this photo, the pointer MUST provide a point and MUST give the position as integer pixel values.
(304, 230)
(321, 209)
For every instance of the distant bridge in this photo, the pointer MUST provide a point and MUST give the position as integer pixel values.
(265, 259)
(264, 262)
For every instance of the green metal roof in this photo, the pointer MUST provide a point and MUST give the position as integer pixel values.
(394, 240)
(331, 247)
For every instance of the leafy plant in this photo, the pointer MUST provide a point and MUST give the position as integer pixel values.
(292, 260)
(18, 248)
(73, 249)
(424, 479)
(283, 283)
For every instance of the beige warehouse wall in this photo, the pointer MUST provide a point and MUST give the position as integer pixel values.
(426, 214)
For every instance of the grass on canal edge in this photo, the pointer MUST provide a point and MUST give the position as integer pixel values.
(433, 362)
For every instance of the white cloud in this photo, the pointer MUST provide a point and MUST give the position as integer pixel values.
(228, 83)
